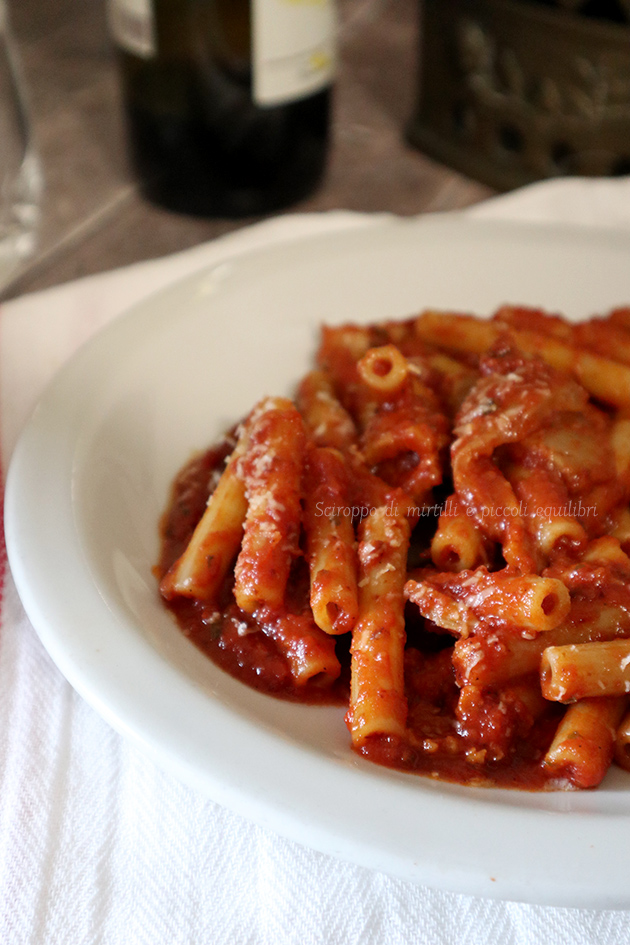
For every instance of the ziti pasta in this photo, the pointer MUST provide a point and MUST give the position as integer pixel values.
(435, 533)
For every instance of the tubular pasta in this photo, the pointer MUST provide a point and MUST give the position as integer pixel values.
(405, 438)
(328, 422)
(534, 319)
(483, 639)
(604, 378)
(441, 608)
(454, 380)
(458, 544)
(309, 651)
(330, 542)
(577, 671)
(608, 551)
(548, 507)
(377, 696)
(491, 661)
(528, 601)
(513, 399)
(583, 745)
(455, 332)
(216, 539)
(383, 369)
(272, 470)
(340, 350)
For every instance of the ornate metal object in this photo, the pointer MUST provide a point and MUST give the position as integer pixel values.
(512, 92)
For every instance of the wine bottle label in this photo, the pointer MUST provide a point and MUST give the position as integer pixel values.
(293, 44)
(132, 26)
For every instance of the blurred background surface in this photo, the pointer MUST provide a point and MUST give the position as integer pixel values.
(93, 216)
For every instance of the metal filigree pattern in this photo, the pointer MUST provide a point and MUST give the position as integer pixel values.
(495, 75)
(517, 91)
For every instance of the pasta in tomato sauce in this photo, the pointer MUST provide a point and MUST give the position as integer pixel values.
(435, 533)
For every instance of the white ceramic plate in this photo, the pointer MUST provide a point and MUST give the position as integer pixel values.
(91, 476)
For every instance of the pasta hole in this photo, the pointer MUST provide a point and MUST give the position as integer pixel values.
(450, 558)
(382, 366)
(549, 604)
(332, 610)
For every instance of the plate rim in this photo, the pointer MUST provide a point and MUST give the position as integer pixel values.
(284, 820)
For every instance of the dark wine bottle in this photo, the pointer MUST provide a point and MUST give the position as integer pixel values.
(227, 101)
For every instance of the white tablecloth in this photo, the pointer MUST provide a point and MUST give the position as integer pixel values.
(97, 845)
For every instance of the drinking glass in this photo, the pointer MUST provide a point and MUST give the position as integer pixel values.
(20, 174)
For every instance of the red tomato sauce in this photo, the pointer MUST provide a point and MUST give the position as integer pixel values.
(437, 746)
